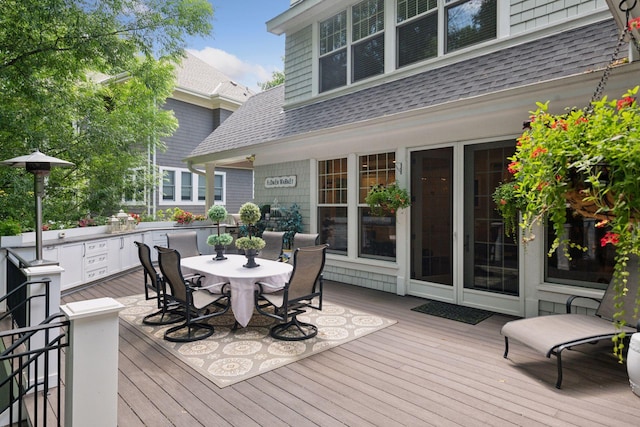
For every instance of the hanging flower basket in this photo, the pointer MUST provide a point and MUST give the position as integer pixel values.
(387, 200)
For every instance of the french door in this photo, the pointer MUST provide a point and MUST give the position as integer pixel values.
(459, 252)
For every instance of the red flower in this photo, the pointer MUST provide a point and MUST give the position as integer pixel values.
(627, 101)
(538, 151)
(582, 120)
(513, 167)
(503, 202)
(559, 124)
(634, 23)
(610, 237)
(542, 185)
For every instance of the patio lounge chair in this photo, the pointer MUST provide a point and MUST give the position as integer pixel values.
(154, 288)
(198, 303)
(554, 333)
(273, 248)
(301, 240)
(185, 242)
(304, 285)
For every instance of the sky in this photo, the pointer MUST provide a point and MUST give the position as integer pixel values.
(239, 45)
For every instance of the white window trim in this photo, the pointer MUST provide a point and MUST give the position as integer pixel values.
(194, 188)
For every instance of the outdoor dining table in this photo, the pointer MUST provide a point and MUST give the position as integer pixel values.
(242, 280)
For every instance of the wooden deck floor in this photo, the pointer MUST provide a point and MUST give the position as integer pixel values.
(421, 371)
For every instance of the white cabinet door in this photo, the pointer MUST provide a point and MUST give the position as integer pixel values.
(129, 251)
(70, 257)
(114, 248)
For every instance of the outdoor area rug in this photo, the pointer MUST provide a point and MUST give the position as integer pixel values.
(459, 313)
(228, 356)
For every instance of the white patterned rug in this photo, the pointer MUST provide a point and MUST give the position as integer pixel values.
(228, 356)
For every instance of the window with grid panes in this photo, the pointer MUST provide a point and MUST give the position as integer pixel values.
(367, 50)
(417, 31)
(332, 204)
(333, 52)
(186, 187)
(169, 185)
(377, 234)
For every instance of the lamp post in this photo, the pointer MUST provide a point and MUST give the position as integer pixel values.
(39, 165)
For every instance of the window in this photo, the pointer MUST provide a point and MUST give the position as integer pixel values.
(135, 190)
(469, 22)
(169, 185)
(590, 268)
(377, 234)
(333, 52)
(202, 188)
(368, 39)
(332, 204)
(186, 188)
(367, 45)
(189, 193)
(218, 188)
(417, 31)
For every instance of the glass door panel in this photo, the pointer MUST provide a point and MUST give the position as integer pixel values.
(432, 216)
(491, 257)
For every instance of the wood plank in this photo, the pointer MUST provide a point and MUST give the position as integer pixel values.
(423, 370)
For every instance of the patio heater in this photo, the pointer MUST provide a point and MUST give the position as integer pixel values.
(39, 165)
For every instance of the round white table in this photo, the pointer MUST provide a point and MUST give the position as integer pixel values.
(242, 280)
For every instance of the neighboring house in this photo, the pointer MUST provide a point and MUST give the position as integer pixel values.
(431, 94)
(202, 100)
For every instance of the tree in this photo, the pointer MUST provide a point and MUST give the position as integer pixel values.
(84, 80)
(277, 78)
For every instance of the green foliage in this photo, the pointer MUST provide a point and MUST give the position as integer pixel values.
(588, 159)
(10, 227)
(217, 213)
(384, 200)
(223, 239)
(288, 220)
(53, 55)
(277, 78)
(249, 213)
(249, 242)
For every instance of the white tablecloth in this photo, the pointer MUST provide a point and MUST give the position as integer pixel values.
(242, 279)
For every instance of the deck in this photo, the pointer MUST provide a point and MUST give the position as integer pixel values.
(422, 371)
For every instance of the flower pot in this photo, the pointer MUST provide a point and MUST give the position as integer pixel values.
(219, 253)
(633, 363)
(251, 258)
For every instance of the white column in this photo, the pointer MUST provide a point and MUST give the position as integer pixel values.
(37, 311)
(91, 389)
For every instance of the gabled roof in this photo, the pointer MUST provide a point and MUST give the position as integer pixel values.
(195, 75)
(262, 118)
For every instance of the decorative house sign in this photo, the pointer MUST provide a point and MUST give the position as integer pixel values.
(280, 181)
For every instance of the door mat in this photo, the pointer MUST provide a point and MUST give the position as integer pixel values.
(230, 356)
(458, 313)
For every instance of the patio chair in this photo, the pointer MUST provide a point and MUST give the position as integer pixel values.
(273, 248)
(301, 240)
(555, 333)
(154, 288)
(185, 242)
(199, 303)
(298, 294)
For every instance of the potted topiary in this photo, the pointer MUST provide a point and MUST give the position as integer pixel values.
(216, 214)
(386, 200)
(586, 159)
(249, 215)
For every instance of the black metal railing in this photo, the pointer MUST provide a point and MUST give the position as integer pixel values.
(31, 355)
(26, 379)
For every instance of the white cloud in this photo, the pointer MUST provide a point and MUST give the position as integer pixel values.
(240, 71)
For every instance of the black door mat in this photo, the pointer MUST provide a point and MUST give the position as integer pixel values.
(458, 313)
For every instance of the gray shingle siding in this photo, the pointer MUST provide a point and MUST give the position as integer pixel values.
(286, 196)
(239, 188)
(194, 125)
(529, 14)
(298, 65)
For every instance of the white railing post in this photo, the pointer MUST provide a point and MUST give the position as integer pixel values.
(91, 387)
